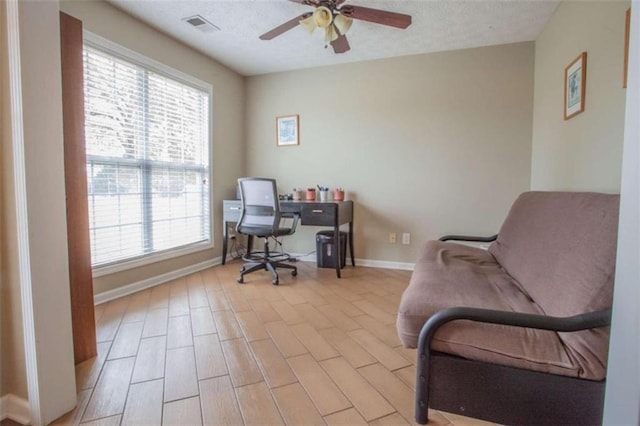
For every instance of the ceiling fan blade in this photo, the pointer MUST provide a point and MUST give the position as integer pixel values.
(284, 27)
(340, 45)
(307, 2)
(376, 16)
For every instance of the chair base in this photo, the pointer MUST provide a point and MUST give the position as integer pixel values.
(263, 260)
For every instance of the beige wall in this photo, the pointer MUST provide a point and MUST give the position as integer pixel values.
(228, 116)
(428, 144)
(585, 152)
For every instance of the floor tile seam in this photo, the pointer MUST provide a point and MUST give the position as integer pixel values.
(179, 315)
(93, 392)
(123, 357)
(244, 420)
(332, 381)
(150, 309)
(101, 418)
(387, 399)
(205, 334)
(81, 415)
(133, 322)
(124, 409)
(224, 356)
(370, 384)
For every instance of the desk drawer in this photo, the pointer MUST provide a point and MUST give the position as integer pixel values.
(231, 210)
(319, 214)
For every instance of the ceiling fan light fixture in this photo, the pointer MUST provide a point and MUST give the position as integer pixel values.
(308, 24)
(331, 33)
(343, 23)
(322, 16)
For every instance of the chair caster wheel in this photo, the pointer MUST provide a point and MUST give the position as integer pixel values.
(275, 282)
(240, 280)
(294, 273)
(243, 269)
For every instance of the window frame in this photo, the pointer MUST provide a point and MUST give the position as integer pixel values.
(100, 43)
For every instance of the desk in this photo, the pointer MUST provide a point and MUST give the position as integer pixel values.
(315, 213)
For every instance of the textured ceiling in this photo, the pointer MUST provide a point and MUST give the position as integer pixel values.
(437, 25)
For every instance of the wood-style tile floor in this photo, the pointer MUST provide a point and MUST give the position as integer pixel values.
(206, 350)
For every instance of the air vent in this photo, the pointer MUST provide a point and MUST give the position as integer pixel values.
(201, 24)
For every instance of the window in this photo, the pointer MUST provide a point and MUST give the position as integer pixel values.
(147, 143)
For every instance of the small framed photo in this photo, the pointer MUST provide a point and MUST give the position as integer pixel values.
(287, 130)
(575, 80)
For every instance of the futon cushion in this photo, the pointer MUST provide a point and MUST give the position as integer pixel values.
(448, 275)
(560, 248)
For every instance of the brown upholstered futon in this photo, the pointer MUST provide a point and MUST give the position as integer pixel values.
(553, 257)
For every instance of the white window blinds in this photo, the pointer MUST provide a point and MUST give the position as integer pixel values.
(147, 143)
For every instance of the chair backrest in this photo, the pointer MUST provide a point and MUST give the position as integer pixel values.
(260, 213)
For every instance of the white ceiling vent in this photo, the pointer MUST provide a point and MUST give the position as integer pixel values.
(201, 24)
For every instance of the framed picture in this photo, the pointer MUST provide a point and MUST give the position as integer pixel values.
(287, 130)
(627, 28)
(575, 80)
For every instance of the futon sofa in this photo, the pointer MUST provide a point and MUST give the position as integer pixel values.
(517, 333)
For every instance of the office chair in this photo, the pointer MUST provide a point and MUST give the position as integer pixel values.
(260, 217)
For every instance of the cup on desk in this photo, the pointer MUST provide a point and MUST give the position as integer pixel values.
(311, 194)
(338, 194)
(298, 194)
(323, 194)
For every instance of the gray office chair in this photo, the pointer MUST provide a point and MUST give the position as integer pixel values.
(260, 217)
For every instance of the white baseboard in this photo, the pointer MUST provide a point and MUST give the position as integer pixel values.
(15, 408)
(385, 264)
(363, 262)
(126, 290)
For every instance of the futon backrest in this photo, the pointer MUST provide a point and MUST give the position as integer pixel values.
(561, 249)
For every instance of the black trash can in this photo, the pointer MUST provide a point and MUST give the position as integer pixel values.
(325, 247)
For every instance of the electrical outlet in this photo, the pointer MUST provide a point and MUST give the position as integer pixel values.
(393, 238)
(406, 238)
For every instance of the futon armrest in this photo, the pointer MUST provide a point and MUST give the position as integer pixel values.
(469, 238)
(561, 324)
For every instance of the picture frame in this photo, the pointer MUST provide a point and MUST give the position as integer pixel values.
(627, 29)
(575, 81)
(287, 130)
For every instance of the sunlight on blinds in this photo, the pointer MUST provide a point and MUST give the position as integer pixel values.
(147, 148)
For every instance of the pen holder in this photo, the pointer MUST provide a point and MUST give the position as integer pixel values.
(311, 194)
(338, 195)
(323, 195)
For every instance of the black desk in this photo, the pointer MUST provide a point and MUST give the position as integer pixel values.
(315, 213)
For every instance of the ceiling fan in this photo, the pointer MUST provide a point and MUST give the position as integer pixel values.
(336, 19)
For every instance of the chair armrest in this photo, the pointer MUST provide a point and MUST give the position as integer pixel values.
(561, 324)
(291, 215)
(469, 238)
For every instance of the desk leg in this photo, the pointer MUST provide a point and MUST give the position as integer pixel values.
(225, 237)
(353, 257)
(336, 252)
